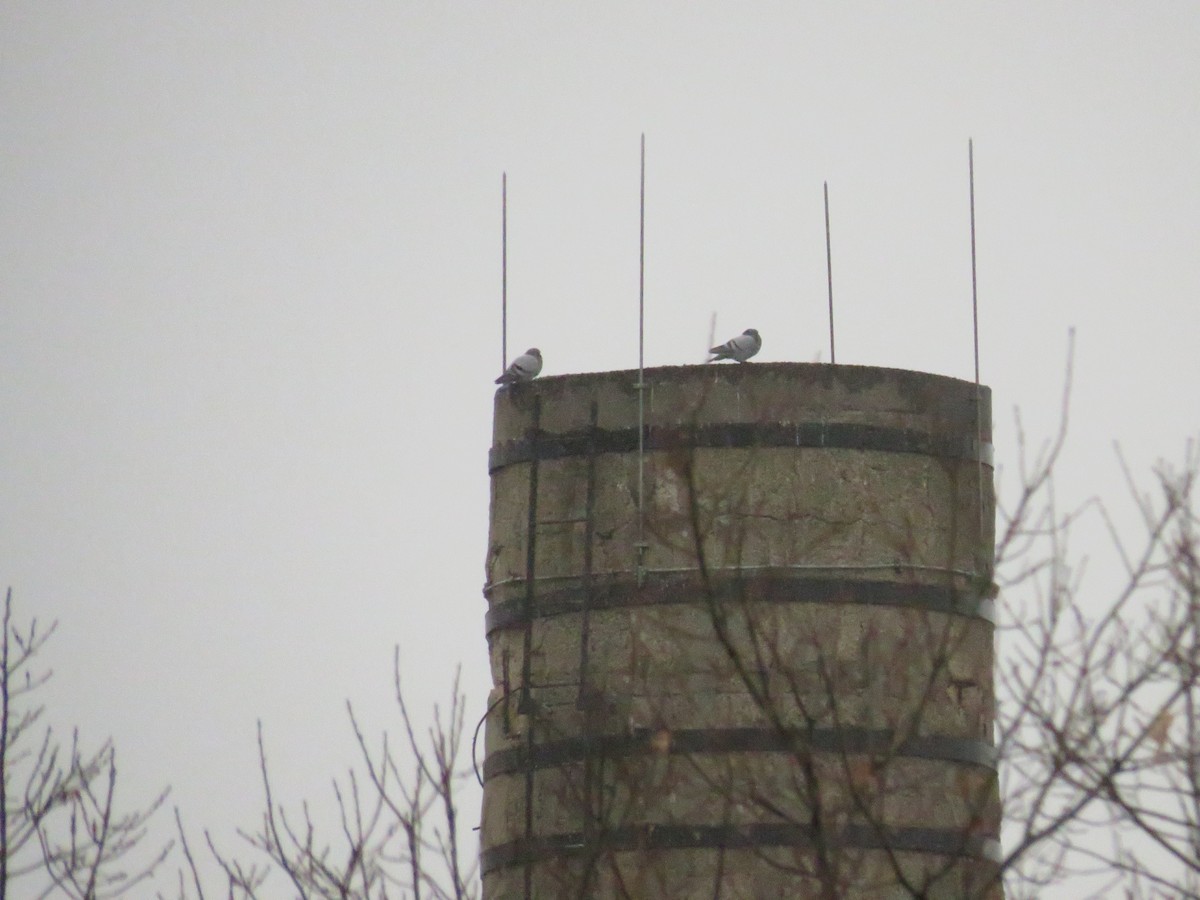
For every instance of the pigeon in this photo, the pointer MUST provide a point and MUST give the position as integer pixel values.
(741, 348)
(524, 368)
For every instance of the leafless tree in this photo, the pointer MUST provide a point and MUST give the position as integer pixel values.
(399, 831)
(1097, 724)
(61, 833)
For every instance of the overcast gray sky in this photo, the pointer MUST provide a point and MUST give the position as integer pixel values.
(250, 283)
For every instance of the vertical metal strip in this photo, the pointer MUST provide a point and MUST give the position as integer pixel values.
(525, 705)
(974, 280)
(589, 532)
(641, 382)
(829, 275)
(503, 271)
(529, 775)
(975, 334)
(587, 700)
(506, 683)
(530, 557)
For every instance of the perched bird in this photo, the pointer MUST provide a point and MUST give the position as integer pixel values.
(741, 348)
(524, 368)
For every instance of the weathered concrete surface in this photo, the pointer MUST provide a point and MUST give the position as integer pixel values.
(727, 630)
(757, 392)
(754, 506)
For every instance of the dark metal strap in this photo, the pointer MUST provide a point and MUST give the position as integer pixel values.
(589, 538)
(616, 592)
(872, 741)
(528, 602)
(842, 435)
(758, 836)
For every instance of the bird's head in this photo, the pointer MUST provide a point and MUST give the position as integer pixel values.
(753, 332)
(534, 351)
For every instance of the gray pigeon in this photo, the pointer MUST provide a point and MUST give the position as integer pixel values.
(524, 368)
(741, 348)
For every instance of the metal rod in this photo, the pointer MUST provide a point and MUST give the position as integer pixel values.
(530, 775)
(829, 274)
(641, 385)
(589, 539)
(642, 265)
(975, 336)
(503, 271)
(524, 705)
(974, 282)
(506, 683)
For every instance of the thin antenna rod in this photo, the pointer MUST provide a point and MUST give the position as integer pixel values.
(829, 274)
(642, 266)
(641, 385)
(975, 334)
(503, 271)
(974, 282)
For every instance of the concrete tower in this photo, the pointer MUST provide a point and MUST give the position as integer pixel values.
(750, 654)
